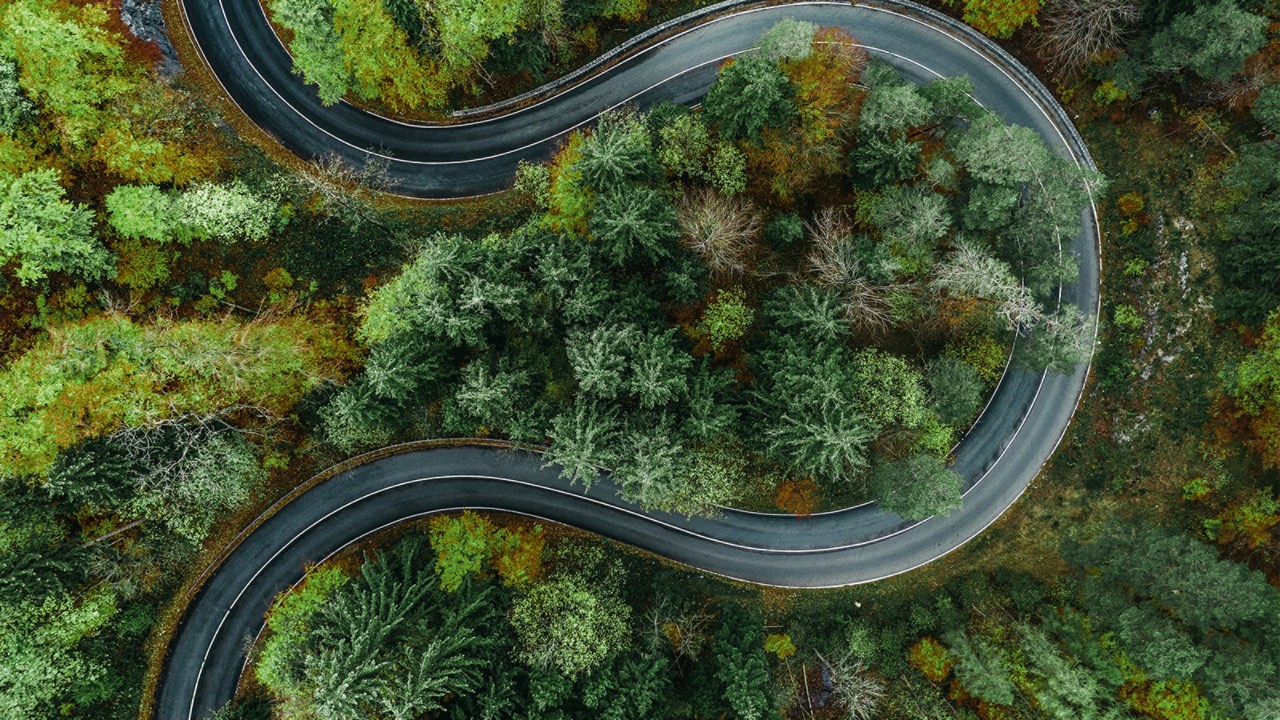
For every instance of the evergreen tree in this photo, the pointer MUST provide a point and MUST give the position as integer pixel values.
(808, 410)
(1248, 256)
(917, 487)
(981, 668)
(1212, 41)
(788, 39)
(659, 371)
(955, 390)
(740, 665)
(749, 95)
(584, 440)
(634, 225)
(618, 154)
(601, 358)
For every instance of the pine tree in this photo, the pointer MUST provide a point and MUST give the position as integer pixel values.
(740, 665)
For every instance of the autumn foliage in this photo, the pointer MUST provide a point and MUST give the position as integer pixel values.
(931, 658)
(798, 497)
(826, 99)
(1000, 18)
(102, 375)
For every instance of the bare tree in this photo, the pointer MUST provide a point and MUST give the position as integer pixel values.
(974, 272)
(835, 263)
(856, 689)
(345, 192)
(684, 630)
(723, 230)
(1077, 31)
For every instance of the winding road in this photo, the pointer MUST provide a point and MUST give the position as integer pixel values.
(1001, 455)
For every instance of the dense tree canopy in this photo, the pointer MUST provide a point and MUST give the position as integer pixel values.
(110, 373)
(1212, 42)
(44, 233)
(387, 644)
(562, 330)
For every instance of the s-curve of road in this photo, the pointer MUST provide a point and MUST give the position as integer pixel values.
(1000, 456)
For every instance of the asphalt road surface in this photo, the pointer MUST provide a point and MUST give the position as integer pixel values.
(1001, 455)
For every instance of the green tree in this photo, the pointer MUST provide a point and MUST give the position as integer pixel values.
(1174, 599)
(469, 544)
(1182, 575)
(893, 108)
(40, 657)
(784, 231)
(1248, 257)
(569, 626)
(106, 374)
(385, 644)
(454, 288)
(999, 154)
(955, 390)
(636, 685)
(228, 212)
(808, 311)
(1212, 41)
(1061, 342)
(1256, 386)
(740, 665)
(651, 462)
(36, 561)
(683, 144)
(316, 47)
(634, 225)
(494, 394)
(279, 665)
(71, 64)
(44, 233)
(727, 169)
(788, 39)
(399, 373)
(809, 415)
(1266, 108)
(726, 318)
(600, 358)
(951, 98)
(916, 488)
(981, 667)
(617, 154)
(659, 371)
(1064, 689)
(584, 440)
(143, 211)
(15, 108)
(383, 65)
(1158, 645)
(710, 417)
(889, 391)
(749, 94)
(912, 220)
(188, 477)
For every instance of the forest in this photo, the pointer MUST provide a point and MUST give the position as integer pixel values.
(794, 298)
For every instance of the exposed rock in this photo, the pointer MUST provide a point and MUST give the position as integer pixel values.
(145, 20)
